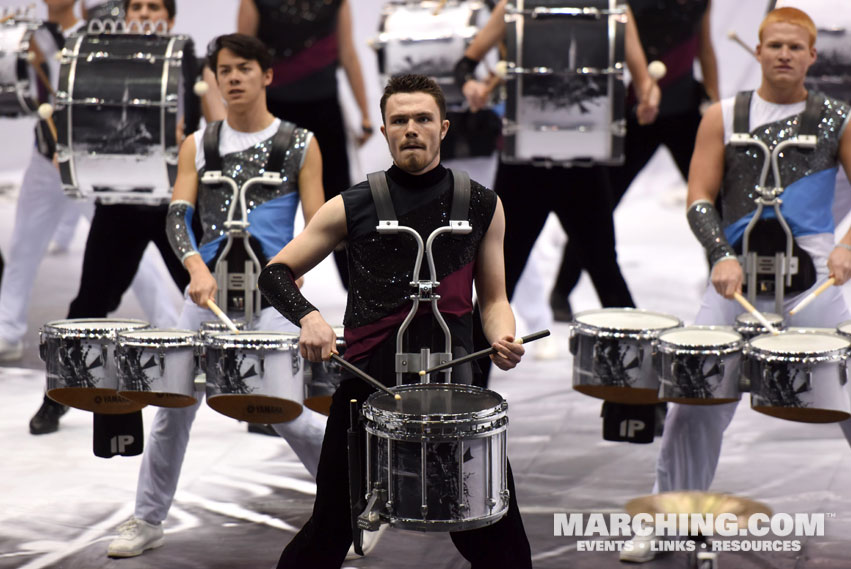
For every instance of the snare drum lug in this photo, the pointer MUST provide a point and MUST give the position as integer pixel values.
(505, 495)
(491, 503)
(370, 518)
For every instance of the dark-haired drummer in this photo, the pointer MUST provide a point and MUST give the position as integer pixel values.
(421, 191)
(247, 143)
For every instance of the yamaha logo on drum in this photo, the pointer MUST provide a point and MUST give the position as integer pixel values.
(251, 409)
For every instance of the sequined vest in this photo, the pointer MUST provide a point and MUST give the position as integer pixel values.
(381, 266)
(214, 200)
(806, 174)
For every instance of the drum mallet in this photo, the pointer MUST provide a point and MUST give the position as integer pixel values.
(656, 69)
(756, 313)
(732, 35)
(483, 353)
(812, 296)
(364, 376)
(45, 111)
(222, 316)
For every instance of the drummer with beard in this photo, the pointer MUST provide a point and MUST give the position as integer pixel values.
(414, 111)
(727, 174)
(247, 141)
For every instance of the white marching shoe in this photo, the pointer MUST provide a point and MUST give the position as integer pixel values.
(370, 538)
(135, 536)
(642, 549)
(11, 351)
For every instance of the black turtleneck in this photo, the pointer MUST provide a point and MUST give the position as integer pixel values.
(407, 180)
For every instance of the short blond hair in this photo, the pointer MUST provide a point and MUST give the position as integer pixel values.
(790, 16)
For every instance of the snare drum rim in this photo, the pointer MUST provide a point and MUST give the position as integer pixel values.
(251, 341)
(52, 329)
(610, 332)
(382, 417)
(129, 339)
(666, 347)
(761, 354)
(844, 333)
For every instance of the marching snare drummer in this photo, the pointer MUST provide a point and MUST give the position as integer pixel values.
(778, 110)
(245, 145)
(420, 191)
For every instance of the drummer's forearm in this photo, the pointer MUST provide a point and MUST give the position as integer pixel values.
(498, 320)
(636, 61)
(492, 32)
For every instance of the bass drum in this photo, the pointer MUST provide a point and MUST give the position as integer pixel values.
(565, 89)
(121, 95)
(27, 62)
(427, 38)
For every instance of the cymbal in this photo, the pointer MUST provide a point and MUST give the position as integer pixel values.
(693, 502)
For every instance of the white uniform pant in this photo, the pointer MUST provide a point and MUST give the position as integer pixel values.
(43, 205)
(169, 434)
(691, 443)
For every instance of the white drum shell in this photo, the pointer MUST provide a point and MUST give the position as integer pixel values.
(79, 356)
(158, 367)
(616, 363)
(255, 376)
(808, 386)
(704, 369)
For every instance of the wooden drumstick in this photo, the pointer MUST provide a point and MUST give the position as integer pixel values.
(483, 353)
(735, 37)
(222, 316)
(364, 376)
(757, 314)
(812, 296)
(439, 7)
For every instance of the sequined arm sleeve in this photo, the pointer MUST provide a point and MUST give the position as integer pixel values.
(277, 283)
(464, 71)
(178, 227)
(705, 223)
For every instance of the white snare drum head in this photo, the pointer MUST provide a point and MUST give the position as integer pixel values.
(750, 319)
(90, 326)
(800, 342)
(437, 399)
(844, 328)
(700, 336)
(627, 319)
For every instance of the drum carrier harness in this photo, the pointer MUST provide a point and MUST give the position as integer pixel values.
(237, 268)
(388, 224)
(767, 267)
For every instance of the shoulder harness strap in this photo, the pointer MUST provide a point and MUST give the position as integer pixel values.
(460, 196)
(280, 144)
(811, 116)
(212, 157)
(742, 113)
(381, 197)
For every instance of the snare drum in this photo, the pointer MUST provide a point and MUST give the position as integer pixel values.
(436, 459)
(24, 43)
(699, 365)
(157, 367)
(117, 108)
(613, 353)
(255, 376)
(79, 357)
(322, 378)
(565, 90)
(799, 375)
(427, 38)
(749, 327)
(211, 328)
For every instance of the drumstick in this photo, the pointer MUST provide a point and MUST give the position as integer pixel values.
(222, 316)
(812, 296)
(439, 7)
(735, 37)
(483, 353)
(757, 314)
(7, 17)
(364, 376)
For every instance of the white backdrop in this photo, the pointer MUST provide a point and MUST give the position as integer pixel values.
(204, 19)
